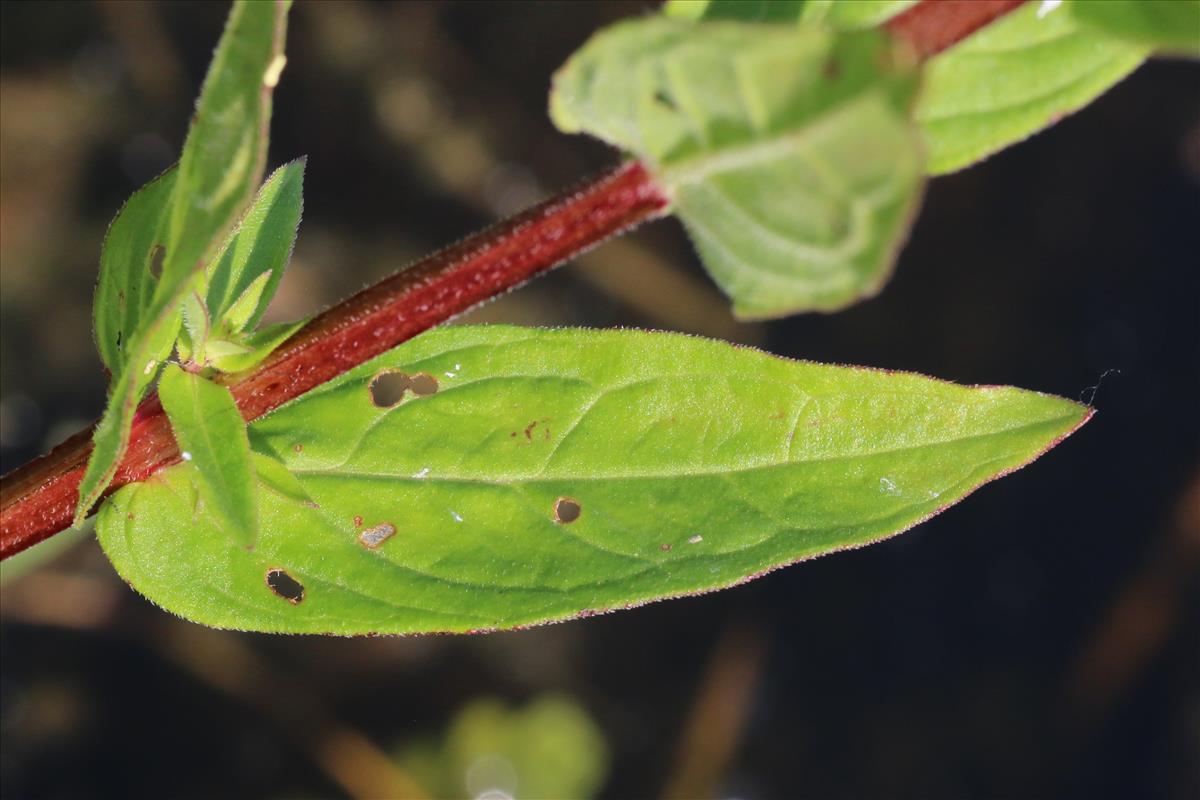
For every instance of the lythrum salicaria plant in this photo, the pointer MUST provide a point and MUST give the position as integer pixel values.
(361, 473)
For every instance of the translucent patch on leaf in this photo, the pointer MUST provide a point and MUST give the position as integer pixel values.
(567, 510)
(423, 384)
(157, 255)
(388, 387)
(284, 585)
(371, 538)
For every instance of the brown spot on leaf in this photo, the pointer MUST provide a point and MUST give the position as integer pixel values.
(567, 510)
(284, 585)
(665, 547)
(371, 538)
(529, 430)
(423, 384)
(157, 254)
(297, 447)
(831, 69)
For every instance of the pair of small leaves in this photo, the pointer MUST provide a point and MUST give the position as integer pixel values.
(555, 474)
(177, 222)
(220, 314)
(813, 219)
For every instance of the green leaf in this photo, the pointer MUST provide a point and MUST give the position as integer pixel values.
(788, 150)
(695, 465)
(1011, 79)
(1172, 26)
(841, 14)
(741, 10)
(197, 325)
(212, 438)
(854, 14)
(244, 276)
(127, 280)
(221, 164)
(248, 350)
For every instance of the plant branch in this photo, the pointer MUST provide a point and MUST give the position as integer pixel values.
(38, 499)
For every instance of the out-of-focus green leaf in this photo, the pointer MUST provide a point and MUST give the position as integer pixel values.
(854, 14)
(556, 474)
(243, 277)
(842, 14)
(127, 280)
(550, 748)
(1011, 79)
(212, 438)
(788, 150)
(221, 165)
(1171, 26)
(740, 10)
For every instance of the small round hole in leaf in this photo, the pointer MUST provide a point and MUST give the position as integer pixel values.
(388, 388)
(567, 510)
(284, 585)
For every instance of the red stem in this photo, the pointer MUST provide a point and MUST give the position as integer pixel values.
(38, 499)
(933, 25)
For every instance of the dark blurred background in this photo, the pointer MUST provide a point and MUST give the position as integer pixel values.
(1042, 639)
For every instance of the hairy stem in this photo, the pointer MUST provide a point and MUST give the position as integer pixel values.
(38, 499)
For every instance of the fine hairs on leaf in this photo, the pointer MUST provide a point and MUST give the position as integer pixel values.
(513, 476)
(221, 164)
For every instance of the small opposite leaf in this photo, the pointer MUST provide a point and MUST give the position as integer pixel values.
(221, 164)
(788, 149)
(543, 475)
(1170, 26)
(241, 310)
(1011, 79)
(196, 328)
(212, 438)
(126, 283)
(249, 350)
(258, 251)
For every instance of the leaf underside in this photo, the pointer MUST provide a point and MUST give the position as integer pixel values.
(788, 150)
(557, 474)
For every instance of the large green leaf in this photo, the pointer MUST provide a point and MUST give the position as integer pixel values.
(212, 437)
(1172, 26)
(221, 165)
(1011, 79)
(127, 280)
(529, 476)
(788, 150)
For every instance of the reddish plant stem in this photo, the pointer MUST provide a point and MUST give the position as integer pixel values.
(933, 25)
(38, 499)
